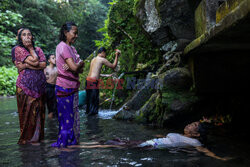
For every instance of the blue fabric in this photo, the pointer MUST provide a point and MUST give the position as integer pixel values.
(68, 118)
(82, 98)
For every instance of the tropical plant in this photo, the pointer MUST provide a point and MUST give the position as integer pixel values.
(8, 77)
(8, 20)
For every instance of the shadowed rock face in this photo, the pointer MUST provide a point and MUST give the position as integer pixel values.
(220, 55)
(143, 104)
(177, 79)
(169, 20)
(205, 15)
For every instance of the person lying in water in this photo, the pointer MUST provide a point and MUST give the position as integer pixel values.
(172, 140)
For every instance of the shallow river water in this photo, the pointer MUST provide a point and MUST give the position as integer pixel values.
(104, 127)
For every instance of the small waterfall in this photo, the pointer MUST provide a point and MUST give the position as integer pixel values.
(113, 96)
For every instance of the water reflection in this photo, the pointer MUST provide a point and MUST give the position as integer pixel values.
(102, 127)
(92, 126)
(32, 155)
(69, 159)
(51, 130)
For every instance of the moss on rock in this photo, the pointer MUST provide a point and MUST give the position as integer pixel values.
(200, 19)
(129, 36)
(226, 8)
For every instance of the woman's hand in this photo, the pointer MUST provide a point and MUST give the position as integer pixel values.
(21, 66)
(74, 67)
(81, 64)
(65, 67)
(28, 44)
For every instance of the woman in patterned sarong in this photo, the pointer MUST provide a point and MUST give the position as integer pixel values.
(69, 65)
(30, 88)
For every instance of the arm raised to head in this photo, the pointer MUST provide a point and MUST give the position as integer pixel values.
(108, 64)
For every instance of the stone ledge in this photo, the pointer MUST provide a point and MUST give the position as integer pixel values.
(232, 19)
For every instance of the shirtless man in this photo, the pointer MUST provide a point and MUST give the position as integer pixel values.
(51, 74)
(92, 90)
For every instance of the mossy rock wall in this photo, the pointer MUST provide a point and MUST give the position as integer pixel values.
(167, 107)
(226, 8)
(171, 104)
(128, 35)
(200, 19)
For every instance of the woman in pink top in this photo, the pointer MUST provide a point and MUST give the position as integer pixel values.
(67, 85)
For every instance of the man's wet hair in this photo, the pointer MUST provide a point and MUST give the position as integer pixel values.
(48, 56)
(101, 49)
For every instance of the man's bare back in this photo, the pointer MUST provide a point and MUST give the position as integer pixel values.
(95, 67)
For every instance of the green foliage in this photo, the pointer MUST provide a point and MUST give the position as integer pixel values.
(137, 5)
(45, 18)
(123, 30)
(88, 15)
(8, 20)
(4, 4)
(8, 77)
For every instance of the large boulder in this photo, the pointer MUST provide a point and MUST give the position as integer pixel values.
(168, 108)
(166, 20)
(177, 79)
(143, 114)
(127, 111)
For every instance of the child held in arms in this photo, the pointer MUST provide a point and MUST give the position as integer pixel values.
(51, 74)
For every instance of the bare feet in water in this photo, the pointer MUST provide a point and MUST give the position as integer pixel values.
(35, 144)
(67, 149)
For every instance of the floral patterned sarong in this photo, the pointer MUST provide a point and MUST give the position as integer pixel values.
(68, 117)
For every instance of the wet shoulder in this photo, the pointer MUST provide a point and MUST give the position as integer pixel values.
(101, 59)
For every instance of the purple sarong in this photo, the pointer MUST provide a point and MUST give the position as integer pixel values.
(68, 117)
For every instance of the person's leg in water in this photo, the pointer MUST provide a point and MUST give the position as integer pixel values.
(92, 100)
(51, 100)
(68, 117)
(115, 143)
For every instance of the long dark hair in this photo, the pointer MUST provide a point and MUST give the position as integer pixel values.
(20, 42)
(65, 27)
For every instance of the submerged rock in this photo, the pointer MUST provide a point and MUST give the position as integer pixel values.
(125, 115)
